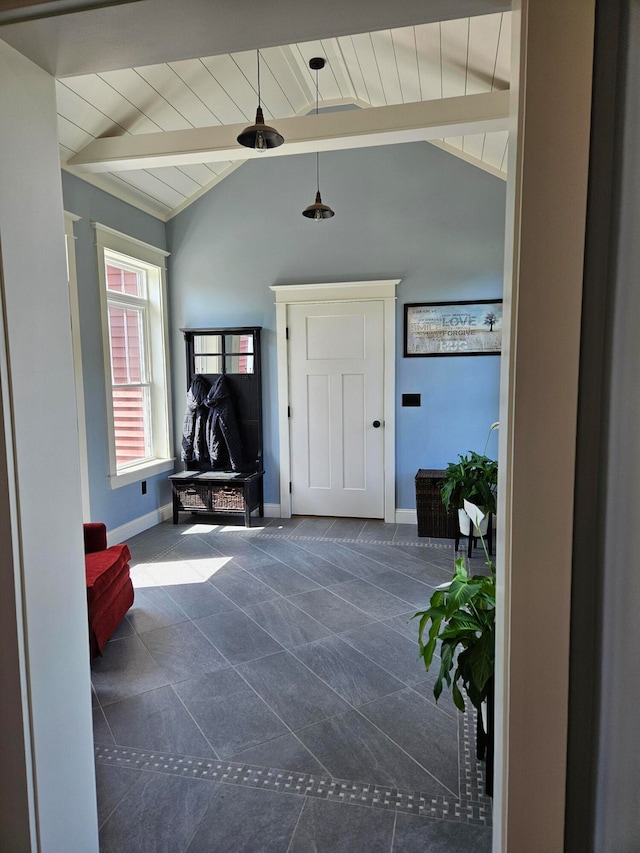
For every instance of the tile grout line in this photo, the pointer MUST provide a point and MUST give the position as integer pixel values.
(295, 828)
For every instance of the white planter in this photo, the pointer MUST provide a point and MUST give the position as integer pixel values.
(464, 523)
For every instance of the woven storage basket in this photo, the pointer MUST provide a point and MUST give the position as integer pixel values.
(227, 497)
(433, 518)
(192, 496)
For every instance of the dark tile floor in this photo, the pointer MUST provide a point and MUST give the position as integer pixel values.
(264, 694)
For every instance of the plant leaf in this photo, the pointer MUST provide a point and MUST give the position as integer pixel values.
(458, 699)
(427, 651)
(482, 661)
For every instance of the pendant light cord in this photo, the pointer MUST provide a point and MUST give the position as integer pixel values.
(259, 102)
(317, 152)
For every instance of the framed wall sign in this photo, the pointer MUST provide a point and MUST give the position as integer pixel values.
(453, 328)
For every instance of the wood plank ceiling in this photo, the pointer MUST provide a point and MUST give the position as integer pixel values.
(419, 63)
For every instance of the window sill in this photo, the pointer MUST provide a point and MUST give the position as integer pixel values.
(141, 472)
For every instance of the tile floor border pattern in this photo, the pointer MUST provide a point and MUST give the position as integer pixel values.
(354, 541)
(474, 807)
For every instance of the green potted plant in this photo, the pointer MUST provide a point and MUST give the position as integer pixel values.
(461, 618)
(473, 478)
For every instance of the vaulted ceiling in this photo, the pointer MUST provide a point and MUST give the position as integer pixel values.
(159, 135)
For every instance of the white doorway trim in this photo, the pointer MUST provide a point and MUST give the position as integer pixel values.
(544, 260)
(347, 291)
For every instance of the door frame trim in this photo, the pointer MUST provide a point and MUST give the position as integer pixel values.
(344, 291)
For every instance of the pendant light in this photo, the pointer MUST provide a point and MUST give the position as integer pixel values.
(317, 210)
(260, 136)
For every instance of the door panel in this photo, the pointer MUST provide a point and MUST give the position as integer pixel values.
(318, 431)
(336, 385)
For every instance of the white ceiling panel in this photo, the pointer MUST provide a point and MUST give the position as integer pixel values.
(65, 152)
(221, 167)
(153, 186)
(454, 45)
(366, 57)
(456, 142)
(336, 63)
(197, 78)
(406, 55)
(473, 144)
(84, 113)
(483, 49)
(135, 89)
(125, 116)
(132, 194)
(71, 136)
(275, 103)
(176, 178)
(503, 58)
(428, 47)
(199, 172)
(494, 148)
(289, 78)
(165, 80)
(237, 93)
(386, 61)
(328, 87)
(446, 59)
(348, 51)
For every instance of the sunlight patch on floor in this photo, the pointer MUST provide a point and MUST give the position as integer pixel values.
(236, 529)
(199, 528)
(177, 572)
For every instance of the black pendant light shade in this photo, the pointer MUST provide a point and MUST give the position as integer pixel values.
(260, 136)
(317, 211)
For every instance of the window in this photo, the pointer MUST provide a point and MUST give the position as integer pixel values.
(132, 286)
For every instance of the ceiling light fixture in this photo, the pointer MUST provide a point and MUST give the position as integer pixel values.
(260, 136)
(317, 210)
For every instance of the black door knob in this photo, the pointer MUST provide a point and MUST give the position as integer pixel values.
(376, 424)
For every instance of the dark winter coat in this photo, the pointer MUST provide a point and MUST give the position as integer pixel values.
(193, 428)
(222, 431)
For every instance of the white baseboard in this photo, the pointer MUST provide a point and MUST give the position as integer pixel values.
(403, 516)
(139, 525)
(144, 522)
(406, 516)
(272, 510)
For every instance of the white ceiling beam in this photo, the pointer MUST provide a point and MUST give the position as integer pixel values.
(390, 125)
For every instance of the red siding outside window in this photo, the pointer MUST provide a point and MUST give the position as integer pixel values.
(131, 394)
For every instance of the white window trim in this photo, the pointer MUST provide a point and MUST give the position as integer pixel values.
(107, 239)
(69, 220)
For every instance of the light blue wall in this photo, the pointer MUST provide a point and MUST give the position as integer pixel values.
(412, 212)
(113, 506)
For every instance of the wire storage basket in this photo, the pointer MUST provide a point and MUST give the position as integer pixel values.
(228, 497)
(192, 495)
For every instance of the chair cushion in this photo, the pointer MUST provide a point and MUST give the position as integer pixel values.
(108, 612)
(103, 567)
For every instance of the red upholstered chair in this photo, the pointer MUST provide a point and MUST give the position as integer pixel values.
(109, 587)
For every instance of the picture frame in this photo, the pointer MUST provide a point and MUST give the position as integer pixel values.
(470, 327)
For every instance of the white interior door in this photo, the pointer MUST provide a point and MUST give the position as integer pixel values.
(336, 393)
